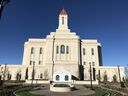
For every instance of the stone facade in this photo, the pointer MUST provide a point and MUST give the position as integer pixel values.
(62, 49)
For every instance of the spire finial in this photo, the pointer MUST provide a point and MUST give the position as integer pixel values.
(63, 12)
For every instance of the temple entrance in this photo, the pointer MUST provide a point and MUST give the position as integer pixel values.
(62, 76)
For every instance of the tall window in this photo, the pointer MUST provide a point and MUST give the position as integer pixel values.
(57, 49)
(83, 51)
(67, 50)
(57, 77)
(32, 50)
(40, 50)
(66, 77)
(62, 20)
(62, 49)
(92, 51)
(39, 62)
(30, 62)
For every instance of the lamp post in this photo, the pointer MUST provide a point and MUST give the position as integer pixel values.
(90, 75)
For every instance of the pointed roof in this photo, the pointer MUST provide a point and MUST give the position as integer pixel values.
(63, 12)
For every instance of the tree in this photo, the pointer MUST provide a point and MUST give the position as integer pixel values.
(18, 75)
(26, 74)
(126, 74)
(9, 76)
(98, 76)
(105, 77)
(114, 78)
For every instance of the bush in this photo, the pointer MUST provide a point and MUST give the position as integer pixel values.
(61, 85)
(114, 78)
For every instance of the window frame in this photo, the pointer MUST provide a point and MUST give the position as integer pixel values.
(66, 78)
(62, 49)
(57, 77)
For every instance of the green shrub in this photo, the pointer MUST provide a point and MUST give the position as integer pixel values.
(61, 85)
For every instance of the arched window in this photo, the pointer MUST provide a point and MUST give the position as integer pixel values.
(62, 49)
(83, 51)
(57, 77)
(57, 49)
(67, 50)
(32, 50)
(92, 51)
(66, 77)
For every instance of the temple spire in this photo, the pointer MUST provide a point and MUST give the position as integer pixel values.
(63, 20)
(63, 12)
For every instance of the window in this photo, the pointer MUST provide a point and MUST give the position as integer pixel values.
(39, 62)
(66, 78)
(57, 77)
(62, 49)
(57, 49)
(93, 63)
(40, 50)
(41, 76)
(92, 51)
(32, 50)
(62, 20)
(84, 63)
(30, 62)
(83, 51)
(67, 50)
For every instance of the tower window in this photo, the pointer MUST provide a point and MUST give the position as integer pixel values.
(92, 51)
(62, 20)
(62, 49)
(57, 77)
(67, 49)
(40, 50)
(83, 51)
(32, 50)
(57, 49)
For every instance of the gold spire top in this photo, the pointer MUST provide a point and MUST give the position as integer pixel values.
(63, 12)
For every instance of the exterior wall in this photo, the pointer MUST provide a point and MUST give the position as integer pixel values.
(111, 71)
(88, 45)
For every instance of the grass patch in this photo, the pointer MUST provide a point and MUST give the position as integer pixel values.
(103, 92)
(25, 92)
(99, 92)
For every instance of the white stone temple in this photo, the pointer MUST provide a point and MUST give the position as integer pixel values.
(62, 55)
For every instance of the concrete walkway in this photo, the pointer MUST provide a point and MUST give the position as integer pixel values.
(80, 91)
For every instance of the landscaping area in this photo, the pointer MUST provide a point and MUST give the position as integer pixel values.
(104, 89)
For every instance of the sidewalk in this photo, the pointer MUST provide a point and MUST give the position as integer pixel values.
(80, 90)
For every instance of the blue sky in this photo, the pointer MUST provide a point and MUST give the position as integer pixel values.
(104, 20)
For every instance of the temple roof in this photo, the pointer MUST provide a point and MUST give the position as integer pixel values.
(63, 12)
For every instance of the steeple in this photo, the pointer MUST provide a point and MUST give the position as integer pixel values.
(63, 12)
(63, 20)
